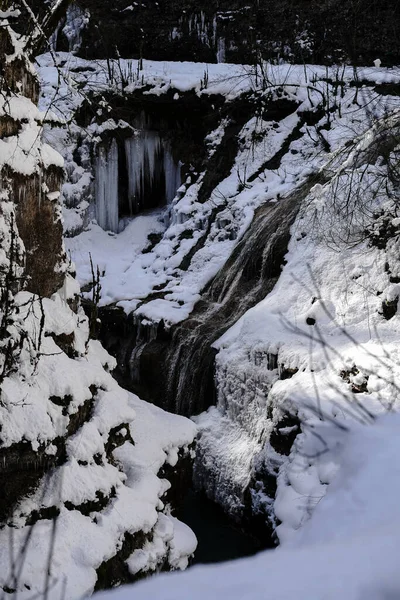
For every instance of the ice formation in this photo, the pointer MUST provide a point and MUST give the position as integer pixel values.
(205, 28)
(107, 187)
(221, 50)
(153, 173)
(153, 178)
(76, 21)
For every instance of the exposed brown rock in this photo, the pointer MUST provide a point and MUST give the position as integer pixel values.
(40, 228)
(8, 126)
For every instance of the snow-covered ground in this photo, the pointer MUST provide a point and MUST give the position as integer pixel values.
(348, 550)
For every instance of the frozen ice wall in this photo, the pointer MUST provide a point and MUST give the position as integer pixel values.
(152, 177)
(107, 187)
(153, 173)
(172, 175)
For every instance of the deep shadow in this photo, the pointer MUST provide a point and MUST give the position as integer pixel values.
(218, 536)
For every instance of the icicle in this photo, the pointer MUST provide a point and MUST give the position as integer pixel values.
(172, 176)
(107, 188)
(214, 37)
(143, 156)
(134, 149)
(150, 167)
(76, 21)
(221, 50)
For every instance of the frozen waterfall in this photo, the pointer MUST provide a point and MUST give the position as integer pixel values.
(153, 174)
(147, 177)
(221, 51)
(107, 187)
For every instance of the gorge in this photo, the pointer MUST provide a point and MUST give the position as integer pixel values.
(215, 251)
(199, 298)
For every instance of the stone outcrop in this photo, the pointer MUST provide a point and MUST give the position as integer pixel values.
(218, 31)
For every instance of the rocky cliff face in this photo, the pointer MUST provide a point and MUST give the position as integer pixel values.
(220, 31)
(81, 459)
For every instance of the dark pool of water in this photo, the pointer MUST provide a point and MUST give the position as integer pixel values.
(218, 537)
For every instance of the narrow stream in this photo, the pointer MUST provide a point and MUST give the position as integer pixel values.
(218, 537)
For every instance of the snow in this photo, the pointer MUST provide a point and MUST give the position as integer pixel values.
(107, 188)
(115, 257)
(348, 549)
(26, 153)
(322, 325)
(153, 424)
(82, 542)
(130, 482)
(185, 220)
(172, 538)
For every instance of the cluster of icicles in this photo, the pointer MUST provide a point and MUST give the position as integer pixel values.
(150, 166)
(205, 30)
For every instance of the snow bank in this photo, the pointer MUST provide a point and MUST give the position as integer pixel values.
(100, 495)
(348, 550)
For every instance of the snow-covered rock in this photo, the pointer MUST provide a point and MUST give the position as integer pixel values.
(348, 549)
(81, 459)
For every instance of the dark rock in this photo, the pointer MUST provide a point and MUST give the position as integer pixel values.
(389, 308)
(117, 437)
(348, 375)
(284, 434)
(65, 342)
(48, 513)
(90, 506)
(286, 373)
(115, 572)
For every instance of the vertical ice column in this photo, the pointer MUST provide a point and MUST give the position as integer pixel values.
(143, 156)
(215, 30)
(172, 173)
(76, 21)
(134, 150)
(150, 167)
(221, 50)
(107, 187)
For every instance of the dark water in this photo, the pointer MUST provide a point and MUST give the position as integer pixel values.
(218, 537)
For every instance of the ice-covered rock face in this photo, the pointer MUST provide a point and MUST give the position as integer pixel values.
(198, 30)
(139, 165)
(134, 175)
(106, 187)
